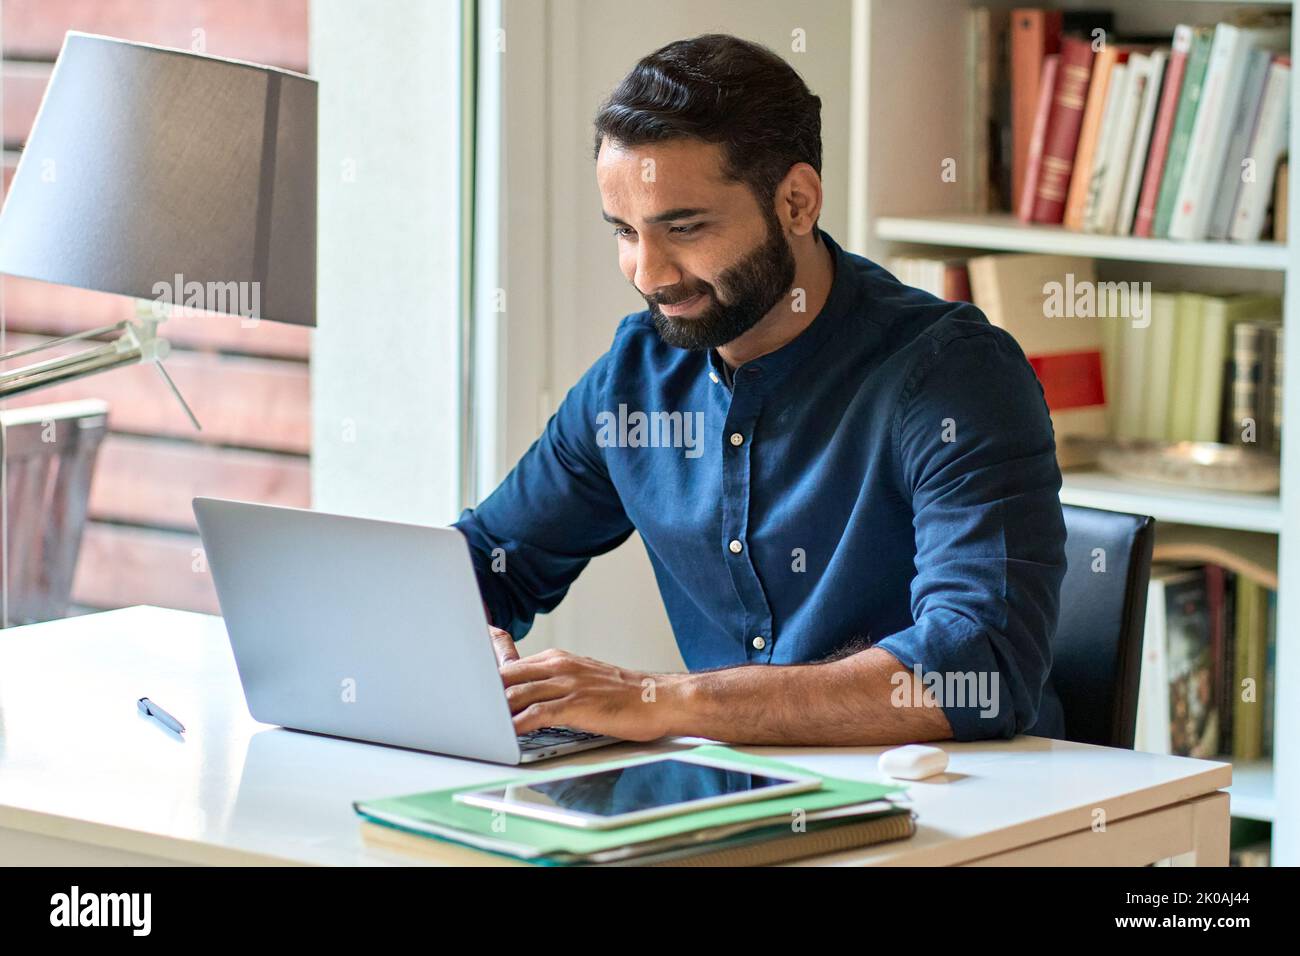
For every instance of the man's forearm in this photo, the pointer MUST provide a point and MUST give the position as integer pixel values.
(853, 701)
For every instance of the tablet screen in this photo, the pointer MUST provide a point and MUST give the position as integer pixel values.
(645, 786)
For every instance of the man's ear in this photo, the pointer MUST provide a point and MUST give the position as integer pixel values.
(799, 199)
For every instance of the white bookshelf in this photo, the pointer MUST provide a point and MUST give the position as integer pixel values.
(1212, 509)
(908, 87)
(1003, 232)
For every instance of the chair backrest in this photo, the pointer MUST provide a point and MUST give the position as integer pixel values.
(49, 456)
(1097, 651)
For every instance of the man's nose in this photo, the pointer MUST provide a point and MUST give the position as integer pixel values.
(655, 271)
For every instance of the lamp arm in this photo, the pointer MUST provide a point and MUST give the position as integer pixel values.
(139, 342)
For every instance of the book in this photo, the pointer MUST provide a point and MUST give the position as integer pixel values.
(1279, 335)
(1248, 670)
(1089, 133)
(1270, 678)
(981, 60)
(1157, 376)
(1198, 57)
(438, 815)
(1186, 385)
(1034, 159)
(1064, 347)
(1219, 316)
(1129, 420)
(1237, 161)
(1162, 131)
(1250, 374)
(1152, 733)
(774, 843)
(1280, 201)
(1061, 141)
(1116, 114)
(1178, 699)
(1220, 93)
(943, 278)
(1035, 35)
(1150, 84)
(1268, 143)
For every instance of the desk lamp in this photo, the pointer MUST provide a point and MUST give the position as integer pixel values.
(176, 178)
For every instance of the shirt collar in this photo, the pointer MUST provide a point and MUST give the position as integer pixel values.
(767, 370)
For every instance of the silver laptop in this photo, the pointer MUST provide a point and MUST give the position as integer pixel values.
(371, 630)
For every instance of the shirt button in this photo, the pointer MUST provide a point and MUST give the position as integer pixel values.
(736, 547)
(737, 438)
(759, 643)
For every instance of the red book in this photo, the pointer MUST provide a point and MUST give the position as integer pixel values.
(1073, 73)
(1034, 161)
(1161, 133)
(1035, 34)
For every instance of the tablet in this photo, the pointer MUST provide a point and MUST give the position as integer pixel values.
(644, 790)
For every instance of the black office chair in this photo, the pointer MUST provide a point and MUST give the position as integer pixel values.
(1097, 651)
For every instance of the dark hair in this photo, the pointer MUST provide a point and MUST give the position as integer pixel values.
(725, 90)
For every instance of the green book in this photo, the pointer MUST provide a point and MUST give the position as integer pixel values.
(1248, 715)
(1185, 384)
(1188, 100)
(1158, 373)
(437, 814)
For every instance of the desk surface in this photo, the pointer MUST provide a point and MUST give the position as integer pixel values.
(78, 762)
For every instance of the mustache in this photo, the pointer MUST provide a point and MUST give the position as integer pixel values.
(664, 298)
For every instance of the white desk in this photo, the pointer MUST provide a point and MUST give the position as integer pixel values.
(84, 779)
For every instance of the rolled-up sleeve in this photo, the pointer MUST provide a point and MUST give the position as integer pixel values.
(557, 509)
(975, 452)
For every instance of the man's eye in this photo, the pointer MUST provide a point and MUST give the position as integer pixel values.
(684, 230)
(622, 232)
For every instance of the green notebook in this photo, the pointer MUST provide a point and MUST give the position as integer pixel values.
(437, 814)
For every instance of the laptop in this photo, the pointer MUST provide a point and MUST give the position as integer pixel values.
(370, 630)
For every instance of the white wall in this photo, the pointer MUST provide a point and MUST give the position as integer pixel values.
(385, 395)
(558, 263)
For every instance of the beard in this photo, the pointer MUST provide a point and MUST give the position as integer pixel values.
(751, 288)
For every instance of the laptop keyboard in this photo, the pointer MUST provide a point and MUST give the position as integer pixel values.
(552, 736)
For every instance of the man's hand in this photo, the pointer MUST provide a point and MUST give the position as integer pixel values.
(557, 689)
(503, 644)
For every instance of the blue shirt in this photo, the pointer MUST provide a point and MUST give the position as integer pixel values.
(887, 478)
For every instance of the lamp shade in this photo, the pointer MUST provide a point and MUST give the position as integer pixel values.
(165, 174)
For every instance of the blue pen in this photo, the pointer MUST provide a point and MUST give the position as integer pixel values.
(150, 709)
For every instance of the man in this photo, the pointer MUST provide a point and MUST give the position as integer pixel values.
(865, 545)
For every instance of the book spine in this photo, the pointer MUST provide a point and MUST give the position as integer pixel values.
(1141, 143)
(1162, 132)
(1034, 159)
(1280, 197)
(1035, 34)
(1220, 91)
(1116, 96)
(1279, 336)
(1188, 101)
(1210, 374)
(1245, 381)
(1063, 130)
(1111, 189)
(1089, 132)
(979, 92)
(1267, 145)
(1247, 112)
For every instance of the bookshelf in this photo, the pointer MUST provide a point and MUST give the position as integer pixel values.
(909, 101)
(1003, 232)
